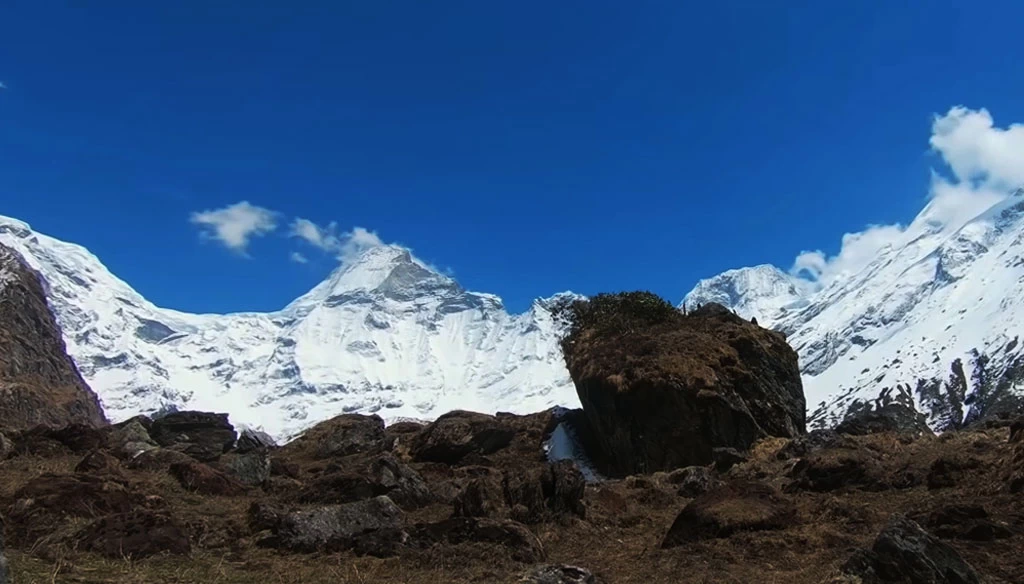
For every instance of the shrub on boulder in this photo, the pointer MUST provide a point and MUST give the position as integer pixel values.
(662, 390)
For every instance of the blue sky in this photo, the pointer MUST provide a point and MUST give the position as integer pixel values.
(529, 147)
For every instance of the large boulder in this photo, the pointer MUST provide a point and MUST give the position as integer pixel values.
(204, 436)
(662, 390)
(342, 435)
(249, 440)
(39, 382)
(335, 527)
(731, 508)
(459, 433)
(251, 468)
(904, 552)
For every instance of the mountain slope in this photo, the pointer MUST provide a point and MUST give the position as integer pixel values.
(933, 320)
(384, 333)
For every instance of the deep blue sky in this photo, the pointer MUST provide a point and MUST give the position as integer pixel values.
(531, 147)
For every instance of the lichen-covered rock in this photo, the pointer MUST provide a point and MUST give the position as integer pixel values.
(457, 434)
(664, 395)
(39, 382)
(334, 527)
(204, 436)
(250, 468)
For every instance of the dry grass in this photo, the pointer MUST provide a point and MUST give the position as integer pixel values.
(619, 539)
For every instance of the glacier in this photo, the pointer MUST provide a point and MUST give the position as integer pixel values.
(384, 333)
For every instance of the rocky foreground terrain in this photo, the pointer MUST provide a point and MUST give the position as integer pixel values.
(691, 464)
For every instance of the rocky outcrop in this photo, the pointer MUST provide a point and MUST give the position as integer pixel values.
(204, 436)
(39, 382)
(904, 552)
(664, 395)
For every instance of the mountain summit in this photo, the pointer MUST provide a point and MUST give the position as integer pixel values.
(383, 333)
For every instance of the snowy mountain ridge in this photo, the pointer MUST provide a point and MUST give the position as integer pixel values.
(384, 333)
(932, 320)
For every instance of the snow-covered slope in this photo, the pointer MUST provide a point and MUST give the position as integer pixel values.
(933, 320)
(384, 333)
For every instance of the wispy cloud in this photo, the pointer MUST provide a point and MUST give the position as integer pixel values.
(298, 258)
(987, 162)
(235, 225)
(345, 245)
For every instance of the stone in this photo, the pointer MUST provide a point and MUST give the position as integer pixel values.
(693, 481)
(892, 417)
(158, 459)
(380, 475)
(334, 527)
(966, 522)
(136, 534)
(100, 463)
(663, 396)
(130, 438)
(905, 552)
(734, 507)
(340, 436)
(834, 469)
(251, 468)
(457, 434)
(559, 574)
(202, 435)
(39, 383)
(204, 479)
(249, 440)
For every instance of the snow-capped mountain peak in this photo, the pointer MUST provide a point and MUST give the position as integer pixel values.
(763, 291)
(383, 333)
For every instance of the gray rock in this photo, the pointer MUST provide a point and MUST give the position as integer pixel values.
(693, 481)
(204, 436)
(335, 527)
(130, 438)
(251, 468)
(250, 440)
(905, 552)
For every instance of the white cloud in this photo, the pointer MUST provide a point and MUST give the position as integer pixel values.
(236, 224)
(977, 151)
(298, 258)
(346, 246)
(987, 163)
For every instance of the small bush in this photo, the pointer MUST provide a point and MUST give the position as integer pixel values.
(619, 313)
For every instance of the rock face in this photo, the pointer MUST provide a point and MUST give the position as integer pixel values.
(202, 435)
(39, 383)
(904, 552)
(664, 396)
